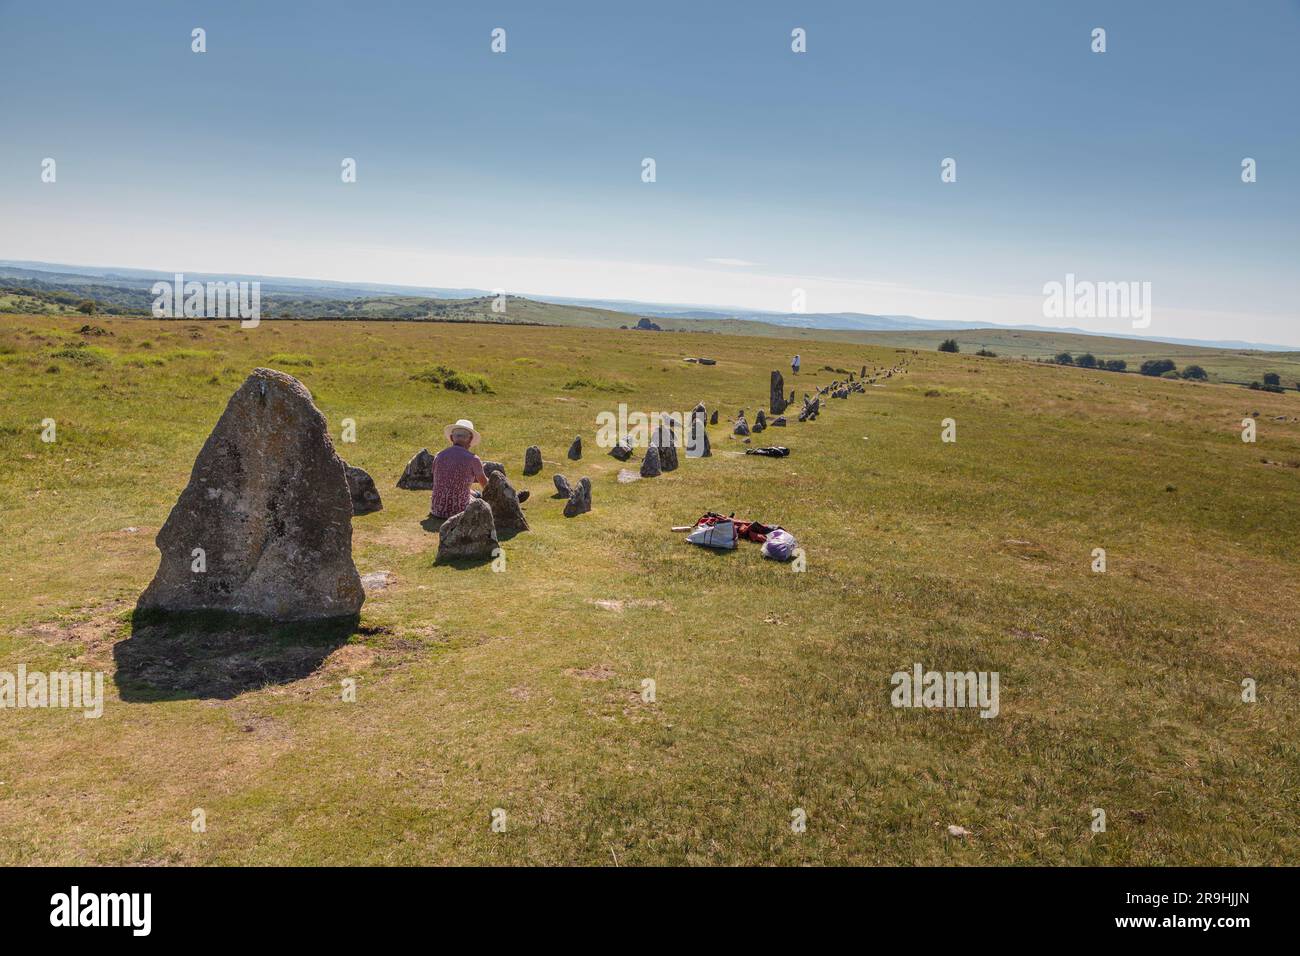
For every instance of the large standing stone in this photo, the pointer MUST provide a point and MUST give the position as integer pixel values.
(580, 500)
(361, 488)
(776, 398)
(575, 450)
(668, 457)
(418, 475)
(472, 534)
(268, 505)
(532, 460)
(501, 498)
(650, 464)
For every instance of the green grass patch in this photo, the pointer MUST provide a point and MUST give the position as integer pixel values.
(85, 355)
(183, 355)
(291, 360)
(452, 380)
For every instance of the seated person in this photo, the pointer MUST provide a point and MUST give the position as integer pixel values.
(454, 468)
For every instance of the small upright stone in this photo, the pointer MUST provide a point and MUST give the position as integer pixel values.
(532, 460)
(760, 421)
(562, 486)
(491, 466)
(713, 419)
(580, 500)
(365, 496)
(504, 502)
(668, 457)
(468, 535)
(575, 450)
(650, 464)
(623, 450)
(742, 426)
(418, 475)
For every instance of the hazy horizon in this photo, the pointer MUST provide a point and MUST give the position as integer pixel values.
(722, 309)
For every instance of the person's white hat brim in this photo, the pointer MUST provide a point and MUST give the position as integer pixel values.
(466, 425)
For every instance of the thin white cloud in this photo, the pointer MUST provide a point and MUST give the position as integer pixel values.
(731, 262)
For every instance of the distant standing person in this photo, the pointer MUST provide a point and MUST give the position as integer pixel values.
(454, 468)
(794, 365)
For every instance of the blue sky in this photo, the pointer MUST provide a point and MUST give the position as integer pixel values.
(819, 171)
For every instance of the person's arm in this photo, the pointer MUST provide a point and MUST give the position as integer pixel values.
(479, 476)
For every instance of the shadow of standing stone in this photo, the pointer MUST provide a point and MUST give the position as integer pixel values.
(211, 654)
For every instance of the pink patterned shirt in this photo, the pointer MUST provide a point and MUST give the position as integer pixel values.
(453, 469)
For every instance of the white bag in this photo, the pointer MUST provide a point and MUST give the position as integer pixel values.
(719, 535)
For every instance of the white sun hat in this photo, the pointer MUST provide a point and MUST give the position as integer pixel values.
(468, 426)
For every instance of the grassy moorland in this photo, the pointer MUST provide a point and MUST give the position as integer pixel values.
(134, 299)
(521, 690)
(1227, 365)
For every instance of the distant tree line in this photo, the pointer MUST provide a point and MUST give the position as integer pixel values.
(1088, 360)
(1162, 368)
